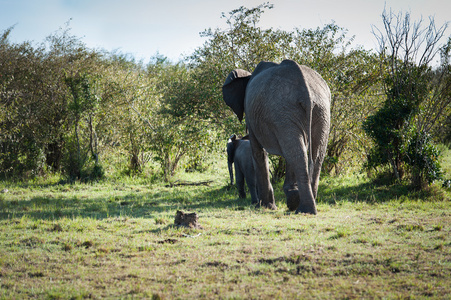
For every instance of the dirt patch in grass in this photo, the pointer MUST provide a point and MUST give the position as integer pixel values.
(168, 241)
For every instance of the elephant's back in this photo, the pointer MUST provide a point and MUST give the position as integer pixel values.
(317, 87)
(275, 88)
(277, 100)
(269, 111)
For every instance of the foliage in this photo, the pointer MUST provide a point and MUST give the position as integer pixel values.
(242, 45)
(352, 76)
(129, 103)
(34, 100)
(81, 110)
(438, 106)
(350, 73)
(68, 109)
(277, 168)
(416, 98)
(179, 131)
(423, 158)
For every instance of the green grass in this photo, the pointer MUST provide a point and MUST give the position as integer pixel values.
(117, 240)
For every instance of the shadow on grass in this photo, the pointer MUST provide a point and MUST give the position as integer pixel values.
(151, 205)
(332, 191)
(132, 204)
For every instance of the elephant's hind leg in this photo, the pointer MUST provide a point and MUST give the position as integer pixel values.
(252, 190)
(320, 134)
(290, 188)
(298, 162)
(265, 190)
(240, 183)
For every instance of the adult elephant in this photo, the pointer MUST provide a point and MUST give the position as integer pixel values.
(287, 109)
(239, 154)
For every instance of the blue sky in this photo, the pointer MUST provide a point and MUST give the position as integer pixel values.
(171, 27)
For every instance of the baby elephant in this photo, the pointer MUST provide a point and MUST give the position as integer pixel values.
(239, 153)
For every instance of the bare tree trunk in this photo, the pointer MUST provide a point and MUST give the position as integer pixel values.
(77, 170)
(93, 141)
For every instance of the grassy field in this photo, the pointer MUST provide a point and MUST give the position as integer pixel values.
(117, 240)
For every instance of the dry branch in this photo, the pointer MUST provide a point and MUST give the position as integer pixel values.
(196, 183)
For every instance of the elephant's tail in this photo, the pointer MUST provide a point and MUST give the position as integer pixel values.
(309, 136)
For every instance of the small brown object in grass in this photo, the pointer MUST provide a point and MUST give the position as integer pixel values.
(189, 220)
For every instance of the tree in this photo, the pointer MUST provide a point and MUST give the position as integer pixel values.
(82, 106)
(352, 75)
(128, 101)
(437, 116)
(34, 95)
(21, 149)
(179, 130)
(416, 97)
(353, 78)
(242, 45)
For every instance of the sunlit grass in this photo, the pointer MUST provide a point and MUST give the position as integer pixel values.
(114, 239)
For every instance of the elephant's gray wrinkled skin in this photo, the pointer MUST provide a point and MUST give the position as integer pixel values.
(287, 109)
(239, 153)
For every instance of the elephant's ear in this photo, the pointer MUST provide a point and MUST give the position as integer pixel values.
(234, 90)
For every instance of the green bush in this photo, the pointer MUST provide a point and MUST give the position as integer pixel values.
(422, 156)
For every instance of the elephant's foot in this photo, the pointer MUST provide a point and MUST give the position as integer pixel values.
(268, 205)
(292, 199)
(307, 209)
(267, 199)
